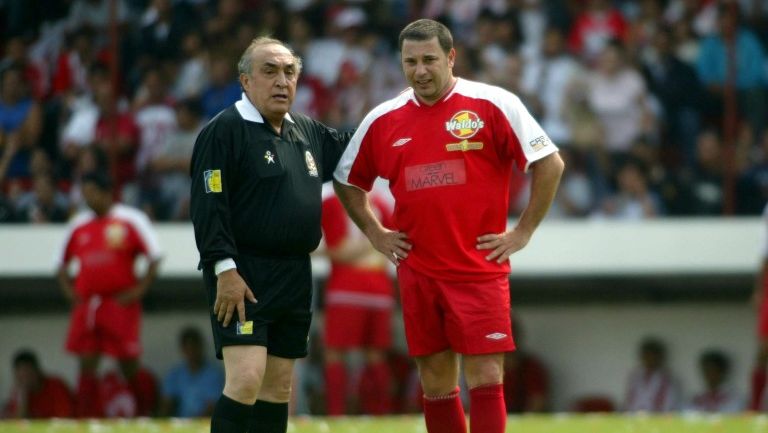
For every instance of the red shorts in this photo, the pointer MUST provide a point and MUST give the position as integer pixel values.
(471, 318)
(353, 327)
(101, 325)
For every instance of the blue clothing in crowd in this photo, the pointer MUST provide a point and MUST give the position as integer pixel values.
(750, 61)
(193, 391)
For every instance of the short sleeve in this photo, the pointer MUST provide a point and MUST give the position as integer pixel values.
(357, 167)
(526, 140)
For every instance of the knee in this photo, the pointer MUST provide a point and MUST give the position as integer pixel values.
(484, 372)
(243, 384)
(438, 378)
(277, 390)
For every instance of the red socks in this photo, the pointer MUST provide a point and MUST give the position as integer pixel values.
(759, 378)
(375, 389)
(487, 413)
(88, 399)
(336, 388)
(444, 414)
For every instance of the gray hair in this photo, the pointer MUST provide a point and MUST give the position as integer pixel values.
(245, 65)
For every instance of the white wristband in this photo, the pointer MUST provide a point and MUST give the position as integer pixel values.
(224, 265)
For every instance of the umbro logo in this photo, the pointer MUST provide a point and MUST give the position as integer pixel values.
(401, 142)
(496, 336)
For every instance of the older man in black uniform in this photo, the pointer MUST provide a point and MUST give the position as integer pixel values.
(257, 172)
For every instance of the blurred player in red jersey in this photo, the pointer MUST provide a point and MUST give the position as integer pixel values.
(759, 374)
(358, 310)
(447, 146)
(105, 241)
(36, 394)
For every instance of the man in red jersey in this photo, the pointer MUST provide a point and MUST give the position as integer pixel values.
(447, 146)
(358, 310)
(105, 241)
(36, 394)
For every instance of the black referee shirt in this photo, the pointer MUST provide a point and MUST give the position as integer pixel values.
(258, 193)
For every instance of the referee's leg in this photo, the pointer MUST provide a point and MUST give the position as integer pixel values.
(270, 412)
(244, 368)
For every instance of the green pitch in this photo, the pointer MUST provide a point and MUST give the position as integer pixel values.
(521, 424)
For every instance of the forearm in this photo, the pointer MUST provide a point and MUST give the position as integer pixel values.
(356, 203)
(546, 178)
(65, 282)
(149, 277)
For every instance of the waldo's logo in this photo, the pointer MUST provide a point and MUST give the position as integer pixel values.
(464, 124)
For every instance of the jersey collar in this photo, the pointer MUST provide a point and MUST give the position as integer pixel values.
(447, 95)
(250, 113)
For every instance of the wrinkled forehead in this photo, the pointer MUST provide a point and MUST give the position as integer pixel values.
(274, 55)
(413, 48)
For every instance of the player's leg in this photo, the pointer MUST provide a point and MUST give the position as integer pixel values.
(244, 368)
(375, 390)
(335, 372)
(439, 375)
(143, 386)
(478, 325)
(342, 331)
(82, 341)
(438, 366)
(270, 411)
(376, 387)
(485, 378)
(87, 401)
(287, 340)
(120, 327)
(243, 347)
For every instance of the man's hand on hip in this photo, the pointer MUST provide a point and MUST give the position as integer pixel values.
(503, 244)
(231, 292)
(394, 245)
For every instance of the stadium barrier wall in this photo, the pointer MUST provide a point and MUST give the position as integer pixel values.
(699, 246)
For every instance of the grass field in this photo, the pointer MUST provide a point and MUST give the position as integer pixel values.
(522, 424)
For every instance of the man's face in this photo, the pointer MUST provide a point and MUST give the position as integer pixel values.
(95, 198)
(271, 86)
(26, 376)
(427, 68)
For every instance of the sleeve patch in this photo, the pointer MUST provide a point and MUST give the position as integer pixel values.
(212, 181)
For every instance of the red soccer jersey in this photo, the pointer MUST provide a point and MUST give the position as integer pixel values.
(337, 226)
(449, 168)
(106, 249)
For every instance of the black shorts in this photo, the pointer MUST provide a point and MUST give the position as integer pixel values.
(280, 319)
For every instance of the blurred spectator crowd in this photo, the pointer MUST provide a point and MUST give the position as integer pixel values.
(659, 106)
(190, 388)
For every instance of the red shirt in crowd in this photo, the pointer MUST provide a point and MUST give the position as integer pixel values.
(52, 400)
